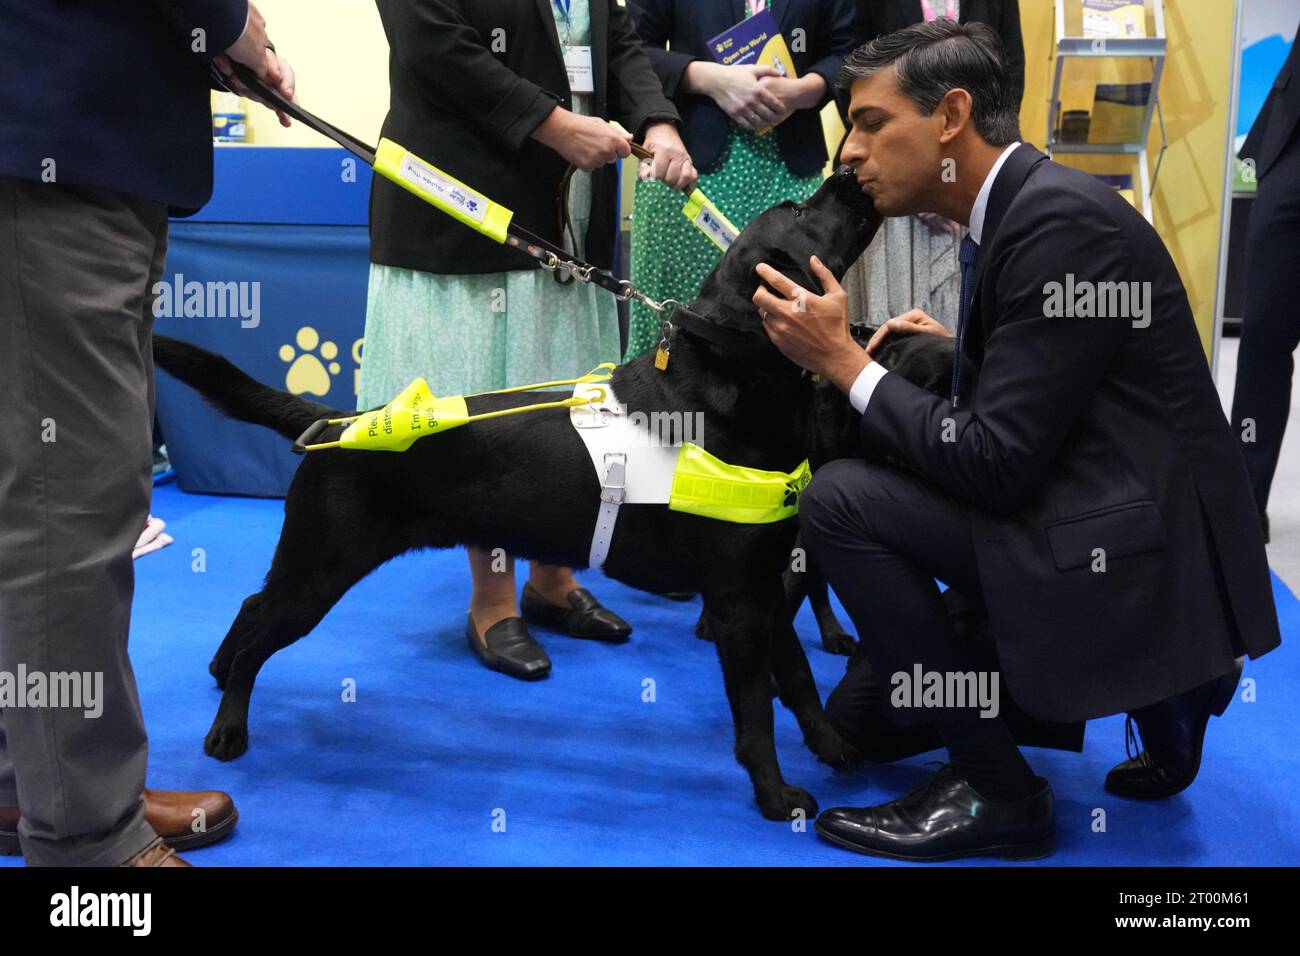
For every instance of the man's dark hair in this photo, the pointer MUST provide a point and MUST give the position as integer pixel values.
(933, 58)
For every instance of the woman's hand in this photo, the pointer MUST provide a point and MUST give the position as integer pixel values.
(587, 142)
(909, 323)
(804, 93)
(739, 92)
(671, 164)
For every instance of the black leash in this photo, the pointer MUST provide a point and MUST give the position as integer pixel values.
(750, 344)
(551, 257)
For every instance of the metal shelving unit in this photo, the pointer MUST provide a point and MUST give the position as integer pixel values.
(1153, 49)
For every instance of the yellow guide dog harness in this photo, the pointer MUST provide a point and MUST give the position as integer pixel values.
(631, 465)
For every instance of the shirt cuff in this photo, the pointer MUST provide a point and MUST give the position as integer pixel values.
(865, 384)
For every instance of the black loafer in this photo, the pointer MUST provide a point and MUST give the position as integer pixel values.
(584, 617)
(1173, 738)
(510, 648)
(944, 819)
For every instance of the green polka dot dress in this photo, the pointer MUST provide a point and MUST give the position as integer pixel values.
(670, 257)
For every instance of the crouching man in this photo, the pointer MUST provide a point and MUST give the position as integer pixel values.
(1081, 481)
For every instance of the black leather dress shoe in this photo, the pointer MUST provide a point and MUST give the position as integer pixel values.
(584, 617)
(510, 649)
(1173, 737)
(944, 819)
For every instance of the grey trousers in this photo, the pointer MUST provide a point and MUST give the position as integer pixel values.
(77, 267)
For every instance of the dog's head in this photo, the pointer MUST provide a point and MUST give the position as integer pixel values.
(836, 224)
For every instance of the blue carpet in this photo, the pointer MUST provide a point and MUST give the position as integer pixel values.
(579, 767)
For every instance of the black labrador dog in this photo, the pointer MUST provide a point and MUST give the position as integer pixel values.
(526, 484)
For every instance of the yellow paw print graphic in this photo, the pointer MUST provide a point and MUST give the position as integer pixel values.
(307, 373)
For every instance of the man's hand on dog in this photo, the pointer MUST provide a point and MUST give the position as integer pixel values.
(811, 330)
(908, 323)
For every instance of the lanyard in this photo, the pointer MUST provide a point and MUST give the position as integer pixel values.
(755, 7)
(564, 6)
(926, 10)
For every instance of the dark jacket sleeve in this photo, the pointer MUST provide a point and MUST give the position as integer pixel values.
(434, 42)
(864, 25)
(654, 24)
(837, 37)
(222, 21)
(1039, 372)
(1013, 46)
(636, 91)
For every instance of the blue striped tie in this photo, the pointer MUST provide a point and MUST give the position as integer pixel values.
(969, 249)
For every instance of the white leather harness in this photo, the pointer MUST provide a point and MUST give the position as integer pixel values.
(631, 467)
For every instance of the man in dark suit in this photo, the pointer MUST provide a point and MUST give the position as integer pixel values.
(1081, 480)
(104, 124)
(1270, 329)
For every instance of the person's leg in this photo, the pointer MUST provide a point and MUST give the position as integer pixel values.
(856, 709)
(493, 597)
(1270, 328)
(552, 582)
(882, 537)
(76, 269)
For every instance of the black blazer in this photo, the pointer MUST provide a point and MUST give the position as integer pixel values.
(878, 17)
(1080, 434)
(113, 93)
(1278, 119)
(470, 81)
(677, 32)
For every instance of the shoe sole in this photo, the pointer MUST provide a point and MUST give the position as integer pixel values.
(192, 841)
(1015, 852)
(9, 845)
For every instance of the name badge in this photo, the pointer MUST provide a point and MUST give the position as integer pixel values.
(577, 61)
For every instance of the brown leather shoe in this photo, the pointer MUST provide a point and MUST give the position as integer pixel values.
(173, 816)
(169, 812)
(156, 853)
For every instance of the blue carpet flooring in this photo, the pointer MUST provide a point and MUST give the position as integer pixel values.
(582, 771)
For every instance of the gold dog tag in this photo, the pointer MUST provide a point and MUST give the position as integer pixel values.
(661, 359)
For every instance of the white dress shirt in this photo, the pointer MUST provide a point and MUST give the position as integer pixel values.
(869, 378)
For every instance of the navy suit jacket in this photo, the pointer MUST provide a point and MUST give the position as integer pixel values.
(1120, 553)
(1278, 119)
(676, 32)
(115, 94)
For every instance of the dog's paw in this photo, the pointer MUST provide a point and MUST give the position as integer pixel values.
(838, 642)
(226, 741)
(783, 803)
(832, 749)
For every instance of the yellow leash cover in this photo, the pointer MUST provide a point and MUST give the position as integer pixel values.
(442, 190)
(707, 218)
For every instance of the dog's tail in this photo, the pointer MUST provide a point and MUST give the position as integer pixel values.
(235, 394)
